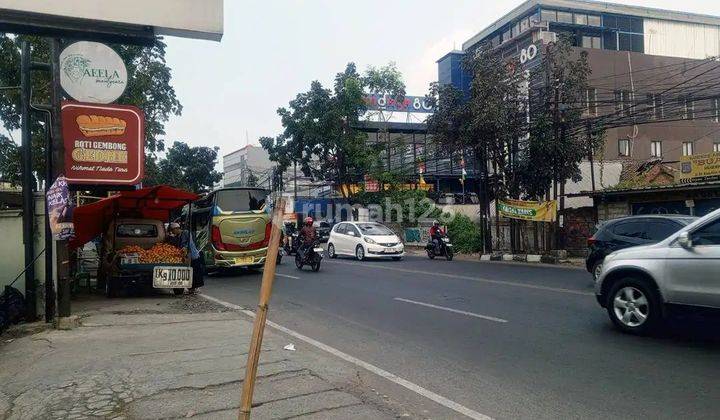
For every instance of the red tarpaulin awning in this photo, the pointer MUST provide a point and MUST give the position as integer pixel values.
(155, 203)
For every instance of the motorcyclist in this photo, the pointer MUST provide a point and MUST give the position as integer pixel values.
(436, 234)
(307, 235)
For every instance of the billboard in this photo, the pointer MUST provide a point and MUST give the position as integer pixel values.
(388, 103)
(200, 19)
(700, 168)
(104, 144)
(536, 211)
(92, 72)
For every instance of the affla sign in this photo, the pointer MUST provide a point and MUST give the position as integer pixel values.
(104, 144)
(92, 72)
(528, 210)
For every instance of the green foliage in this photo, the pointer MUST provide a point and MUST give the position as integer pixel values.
(464, 234)
(148, 88)
(319, 126)
(9, 161)
(189, 168)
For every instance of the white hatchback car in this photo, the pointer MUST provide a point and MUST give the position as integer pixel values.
(364, 240)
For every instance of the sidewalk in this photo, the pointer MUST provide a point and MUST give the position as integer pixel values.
(167, 357)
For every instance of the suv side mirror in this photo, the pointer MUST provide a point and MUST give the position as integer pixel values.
(684, 240)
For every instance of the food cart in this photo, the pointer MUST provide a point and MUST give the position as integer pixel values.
(133, 249)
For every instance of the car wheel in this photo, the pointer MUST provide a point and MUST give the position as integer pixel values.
(634, 306)
(597, 269)
(359, 253)
(331, 251)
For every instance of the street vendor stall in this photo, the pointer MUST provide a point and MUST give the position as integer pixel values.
(134, 249)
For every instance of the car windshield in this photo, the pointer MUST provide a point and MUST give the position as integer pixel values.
(374, 229)
(685, 220)
(232, 201)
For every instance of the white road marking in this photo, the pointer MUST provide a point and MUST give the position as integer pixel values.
(287, 275)
(457, 311)
(478, 279)
(365, 365)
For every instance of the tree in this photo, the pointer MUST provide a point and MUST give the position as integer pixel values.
(319, 128)
(148, 88)
(252, 180)
(189, 168)
(559, 138)
(9, 161)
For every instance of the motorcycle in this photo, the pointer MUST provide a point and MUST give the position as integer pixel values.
(292, 243)
(312, 257)
(444, 248)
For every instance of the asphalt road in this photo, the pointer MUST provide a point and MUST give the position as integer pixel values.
(505, 340)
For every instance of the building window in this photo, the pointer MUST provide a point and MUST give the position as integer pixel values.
(623, 102)
(580, 19)
(524, 25)
(687, 107)
(564, 17)
(590, 41)
(656, 148)
(655, 105)
(687, 148)
(591, 101)
(516, 29)
(716, 109)
(593, 20)
(716, 146)
(548, 15)
(623, 147)
(506, 36)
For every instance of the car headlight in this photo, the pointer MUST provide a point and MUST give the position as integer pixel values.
(370, 240)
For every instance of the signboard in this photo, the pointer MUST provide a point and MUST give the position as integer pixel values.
(371, 185)
(377, 102)
(127, 18)
(92, 72)
(700, 168)
(60, 209)
(104, 144)
(528, 210)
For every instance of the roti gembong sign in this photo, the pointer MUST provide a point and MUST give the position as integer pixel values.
(104, 144)
(92, 72)
(536, 211)
(700, 168)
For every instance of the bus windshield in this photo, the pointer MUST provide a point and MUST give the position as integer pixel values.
(232, 201)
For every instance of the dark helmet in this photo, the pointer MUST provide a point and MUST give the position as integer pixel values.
(308, 221)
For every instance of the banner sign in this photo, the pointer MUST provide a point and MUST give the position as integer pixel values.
(104, 144)
(60, 209)
(528, 210)
(371, 185)
(377, 102)
(92, 72)
(700, 168)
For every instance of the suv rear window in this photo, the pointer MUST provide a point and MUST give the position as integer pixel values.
(136, 231)
(635, 229)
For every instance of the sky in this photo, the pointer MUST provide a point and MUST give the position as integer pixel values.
(272, 49)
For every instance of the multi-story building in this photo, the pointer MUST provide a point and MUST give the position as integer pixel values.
(654, 72)
(238, 165)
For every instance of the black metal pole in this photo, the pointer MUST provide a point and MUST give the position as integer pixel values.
(49, 277)
(62, 256)
(27, 185)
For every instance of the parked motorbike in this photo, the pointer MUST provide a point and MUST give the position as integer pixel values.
(312, 257)
(443, 249)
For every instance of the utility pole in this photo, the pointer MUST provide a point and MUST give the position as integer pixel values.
(58, 160)
(590, 157)
(27, 184)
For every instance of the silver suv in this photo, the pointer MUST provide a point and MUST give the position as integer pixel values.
(637, 285)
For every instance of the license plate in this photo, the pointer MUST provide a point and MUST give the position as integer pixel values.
(318, 250)
(172, 277)
(244, 260)
(130, 259)
(388, 250)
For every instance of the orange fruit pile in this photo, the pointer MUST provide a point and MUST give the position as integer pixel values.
(159, 253)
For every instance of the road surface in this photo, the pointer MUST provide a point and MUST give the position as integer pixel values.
(503, 340)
